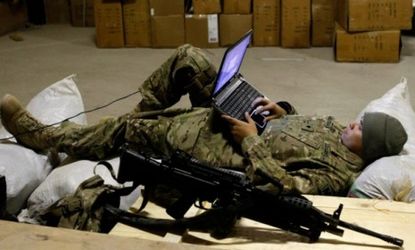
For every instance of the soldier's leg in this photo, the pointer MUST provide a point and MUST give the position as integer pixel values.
(89, 142)
(192, 131)
(216, 147)
(159, 132)
(199, 132)
(102, 140)
(188, 70)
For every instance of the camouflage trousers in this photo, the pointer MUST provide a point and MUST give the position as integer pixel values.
(188, 70)
(151, 126)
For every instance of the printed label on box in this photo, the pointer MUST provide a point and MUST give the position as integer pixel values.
(213, 31)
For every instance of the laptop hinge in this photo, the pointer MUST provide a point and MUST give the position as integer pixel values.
(228, 90)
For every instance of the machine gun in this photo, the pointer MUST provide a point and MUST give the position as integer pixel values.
(228, 188)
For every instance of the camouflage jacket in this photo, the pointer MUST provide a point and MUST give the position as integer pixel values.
(305, 154)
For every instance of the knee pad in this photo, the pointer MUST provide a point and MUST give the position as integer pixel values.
(193, 74)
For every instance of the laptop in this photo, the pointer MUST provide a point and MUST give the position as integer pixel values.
(232, 94)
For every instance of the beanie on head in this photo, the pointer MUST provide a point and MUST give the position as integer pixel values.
(382, 135)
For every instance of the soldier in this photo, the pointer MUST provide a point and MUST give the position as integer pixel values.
(306, 154)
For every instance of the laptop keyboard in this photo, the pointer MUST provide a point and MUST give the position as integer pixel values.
(240, 101)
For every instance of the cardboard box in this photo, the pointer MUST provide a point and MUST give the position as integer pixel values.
(12, 19)
(57, 11)
(232, 27)
(266, 22)
(166, 7)
(322, 19)
(202, 30)
(167, 31)
(369, 46)
(236, 6)
(367, 15)
(206, 6)
(109, 24)
(295, 23)
(137, 25)
(82, 12)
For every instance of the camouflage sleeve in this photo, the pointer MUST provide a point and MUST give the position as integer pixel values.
(313, 179)
(260, 157)
(287, 107)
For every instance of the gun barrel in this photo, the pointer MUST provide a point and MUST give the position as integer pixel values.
(387, 238)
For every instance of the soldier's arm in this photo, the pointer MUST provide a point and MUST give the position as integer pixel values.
(313, 179)
(273, 110)
(289, 109)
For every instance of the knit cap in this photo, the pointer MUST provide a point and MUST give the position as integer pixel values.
(382, 135)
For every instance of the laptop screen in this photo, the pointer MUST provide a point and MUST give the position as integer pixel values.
(232, 62)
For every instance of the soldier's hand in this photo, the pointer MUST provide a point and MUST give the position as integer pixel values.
(241, 129)
(268, 108)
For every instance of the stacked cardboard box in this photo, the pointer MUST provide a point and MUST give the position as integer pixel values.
(295, 23)
(12, 18)
(266, 22)
(202, 27)
(369, 46)
(82, 12)
(322, 22)
(214, 23)
(56, 11)
(206, 7)
(369, 30)
(167, 23)
(236, 6)
(137, 26)
(235, 21)
(369, 15)
(109, 24)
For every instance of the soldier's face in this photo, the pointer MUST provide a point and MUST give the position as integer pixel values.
(352, 137)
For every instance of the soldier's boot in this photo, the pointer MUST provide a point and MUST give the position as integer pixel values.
(25, 128)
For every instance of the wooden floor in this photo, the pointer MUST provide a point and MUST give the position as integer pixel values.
(19, 236)
(391, 218)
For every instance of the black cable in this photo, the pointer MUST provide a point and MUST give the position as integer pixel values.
(71, 117)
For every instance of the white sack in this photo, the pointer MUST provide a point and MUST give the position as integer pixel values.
(391, 177)
(23, 168)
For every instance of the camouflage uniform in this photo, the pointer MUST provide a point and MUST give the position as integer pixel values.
(303, 153)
